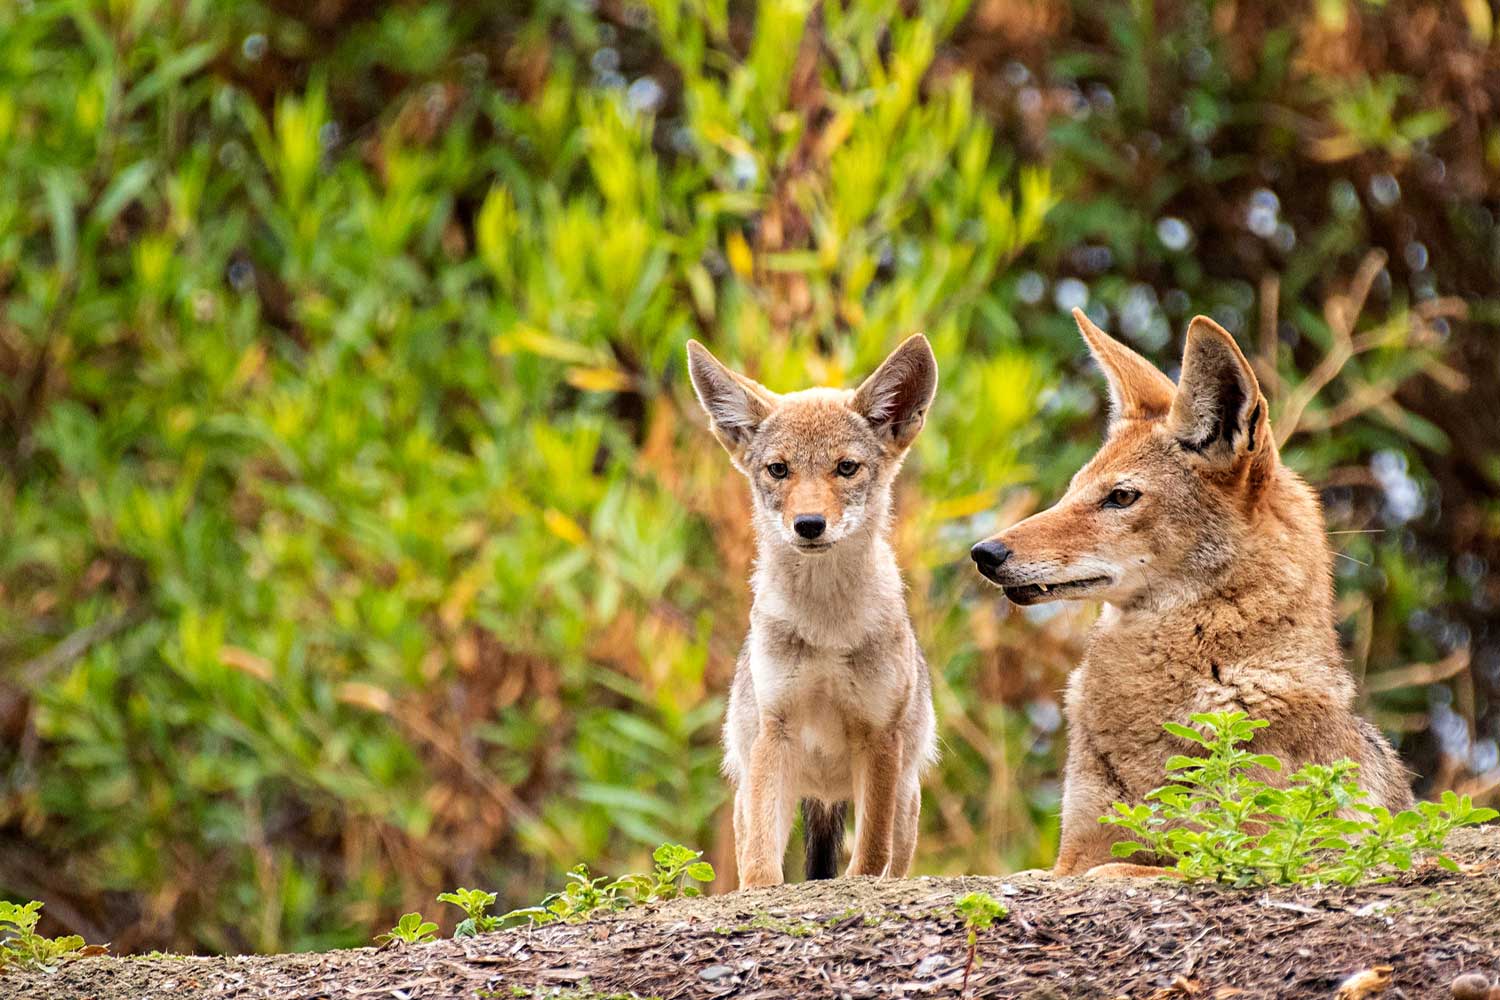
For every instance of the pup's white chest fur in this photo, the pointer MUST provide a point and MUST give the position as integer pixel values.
(828, 669)
(830, 660)
(814, 696)
(816, 682)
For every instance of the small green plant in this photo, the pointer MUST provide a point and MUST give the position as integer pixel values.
(980, 910)
(676, 870)
(410, 929)
(476, 905)
(585, 895)
(1216, 820)
(22, 946)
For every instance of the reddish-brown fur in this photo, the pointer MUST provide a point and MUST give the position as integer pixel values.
(1217, 582)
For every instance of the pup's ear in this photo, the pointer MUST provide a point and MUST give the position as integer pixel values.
(896, 397)
(735, 405)
(1219, 411)
(1137, 389)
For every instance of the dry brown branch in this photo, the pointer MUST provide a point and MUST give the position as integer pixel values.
(1411, 328)
(1413, 674)
(1265, 357)
(1341, 312)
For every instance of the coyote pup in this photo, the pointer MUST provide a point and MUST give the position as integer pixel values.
(1211, 558)
(831, 700)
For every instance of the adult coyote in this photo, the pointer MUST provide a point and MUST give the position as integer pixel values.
(1212, 561)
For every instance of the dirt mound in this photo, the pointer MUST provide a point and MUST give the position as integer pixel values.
(1065, 938)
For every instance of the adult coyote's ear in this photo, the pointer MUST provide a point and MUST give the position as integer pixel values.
(895, 398)
(736, 405)
(1137, 388)
(1219, 412)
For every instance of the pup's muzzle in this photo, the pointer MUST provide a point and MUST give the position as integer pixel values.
(809, 526)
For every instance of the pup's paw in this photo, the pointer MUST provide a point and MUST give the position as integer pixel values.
(760, 877)
(1119, 869)
(877, 867)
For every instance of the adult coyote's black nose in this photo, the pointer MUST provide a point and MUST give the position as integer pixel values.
(988, 556)
(809, 525)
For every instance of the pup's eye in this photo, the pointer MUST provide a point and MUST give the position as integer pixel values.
(1119, 498)
(847, 468)
(778, 470)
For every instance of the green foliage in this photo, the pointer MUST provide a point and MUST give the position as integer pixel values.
(360, 401)
(1218, 820)
(980, 910)
(1366, 113)
(359, 519)
(410, 929)
(585, 895)
(476, 905)
(22, 946)
(676, 869)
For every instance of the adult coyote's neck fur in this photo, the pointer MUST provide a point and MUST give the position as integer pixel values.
(831, 700)
(1212, 558)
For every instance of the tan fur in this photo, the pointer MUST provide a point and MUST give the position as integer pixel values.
(1218, 590)
(1122, 869)
(831, 699)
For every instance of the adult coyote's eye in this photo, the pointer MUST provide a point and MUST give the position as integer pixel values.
(778, 470)
(1119, 498)
(847, 468)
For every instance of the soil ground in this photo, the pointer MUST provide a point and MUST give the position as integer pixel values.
(1149, 939)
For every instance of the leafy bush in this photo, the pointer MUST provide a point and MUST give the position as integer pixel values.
(1217, 820)
(355, 523)
(21, 945)
(361, 539)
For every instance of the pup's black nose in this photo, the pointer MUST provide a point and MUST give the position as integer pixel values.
(809, 525)
(989, 554)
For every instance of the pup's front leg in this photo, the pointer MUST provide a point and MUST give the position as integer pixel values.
(877, 774)
(768, 806)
